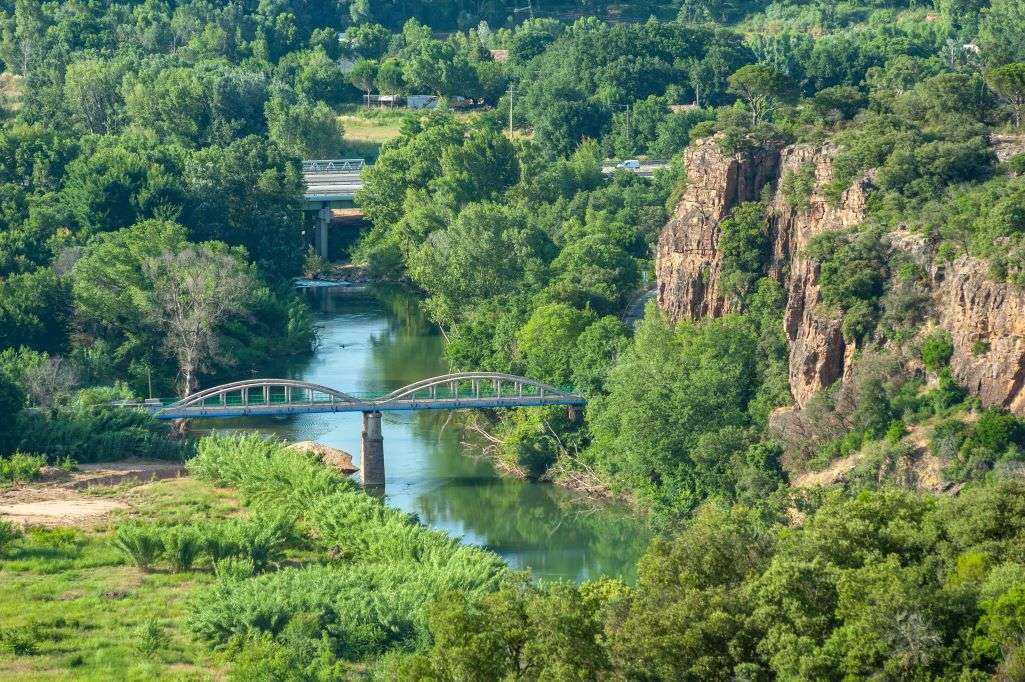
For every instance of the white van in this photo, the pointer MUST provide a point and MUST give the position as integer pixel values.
(629, 164)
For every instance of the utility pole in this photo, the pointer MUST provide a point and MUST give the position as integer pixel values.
(510, 112)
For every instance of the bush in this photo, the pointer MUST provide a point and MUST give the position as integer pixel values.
(996, 430)
(21, 467)
(21, 641)
(182, 545)
(937, 349)
(377, 598)
(262, 540)
(8, 534)
(141, 544)
(947, 438)
(151, 637)
(1016, 164)
(798, 186)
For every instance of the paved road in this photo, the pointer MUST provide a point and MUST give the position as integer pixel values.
(332, 186)
(635, 310)
(647, 168)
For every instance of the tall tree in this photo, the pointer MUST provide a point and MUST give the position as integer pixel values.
(763, 89)
(192, 292)
(1008, 82)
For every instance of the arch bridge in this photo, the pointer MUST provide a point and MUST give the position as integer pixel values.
(274, 397)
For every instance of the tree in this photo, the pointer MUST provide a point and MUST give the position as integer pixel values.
(368, 41)
(1002, 32)
(34, 310)
(247, 193)
(548, 342)
(12, 400)
(92, 90)
(363, 75)
(1008, 82)
(489, 250)
(389, 77)
(763, 89)
(480, 169)
(192, 292)
(310, 131)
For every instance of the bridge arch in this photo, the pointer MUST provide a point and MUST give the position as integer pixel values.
(497, 379)
(200, 398)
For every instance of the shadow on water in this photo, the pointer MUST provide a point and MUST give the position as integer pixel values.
(379, 342)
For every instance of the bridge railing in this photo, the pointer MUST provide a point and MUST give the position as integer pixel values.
(333, 165)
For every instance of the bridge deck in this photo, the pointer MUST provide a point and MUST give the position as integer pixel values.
(459, 391)
(319, 407)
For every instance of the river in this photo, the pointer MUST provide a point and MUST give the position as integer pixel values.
(378, 342)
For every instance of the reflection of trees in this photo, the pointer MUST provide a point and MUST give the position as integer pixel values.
(556, 533)
(410, 348)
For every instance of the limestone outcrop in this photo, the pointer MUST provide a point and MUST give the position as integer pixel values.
(986, 319)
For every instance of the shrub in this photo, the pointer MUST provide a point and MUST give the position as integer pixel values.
(182, 545)
(234, 568)
(141, 544)
(21, 467)
(947, 438)
(798, 186)
(8, 534)
(937, 349)
(21, 641)
(263, 540)
(996, 430)
(151, 637)
(1016, 164)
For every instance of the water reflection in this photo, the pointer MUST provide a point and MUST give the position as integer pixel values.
(381, 342)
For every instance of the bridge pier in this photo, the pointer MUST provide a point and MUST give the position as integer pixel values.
(574, 414)
(371, 452)
(323, 226)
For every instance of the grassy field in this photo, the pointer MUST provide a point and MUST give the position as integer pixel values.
(367, 129)
(70, 607)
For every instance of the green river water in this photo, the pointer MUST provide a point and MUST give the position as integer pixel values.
(378, 342)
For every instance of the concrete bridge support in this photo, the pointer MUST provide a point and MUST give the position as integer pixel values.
(323, 227)
(371, 465)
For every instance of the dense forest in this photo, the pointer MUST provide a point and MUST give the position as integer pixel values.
(151, 224)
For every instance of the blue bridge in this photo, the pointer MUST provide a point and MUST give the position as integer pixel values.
(276, 397)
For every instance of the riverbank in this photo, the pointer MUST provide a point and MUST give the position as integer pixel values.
(375, 341)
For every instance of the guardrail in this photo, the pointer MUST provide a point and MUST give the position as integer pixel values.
(333, 165)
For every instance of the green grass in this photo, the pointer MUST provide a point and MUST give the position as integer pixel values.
(73, 609)
(367, 130)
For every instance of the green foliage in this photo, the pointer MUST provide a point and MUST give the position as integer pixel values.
(151, 637)
(763, 89)
(745, 249)
(141, 544)
(937, 348)
(20, 467)
(181, 546)
(673, 427)
(798, 186)
(375, 597)
(548, 342)
(8, 534)
(853, 271)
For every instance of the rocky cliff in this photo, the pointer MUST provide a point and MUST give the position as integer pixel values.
(688, 262)
(986, 319)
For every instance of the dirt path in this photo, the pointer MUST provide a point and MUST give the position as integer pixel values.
(58, 500)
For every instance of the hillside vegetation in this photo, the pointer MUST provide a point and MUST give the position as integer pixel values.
(836, 243)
